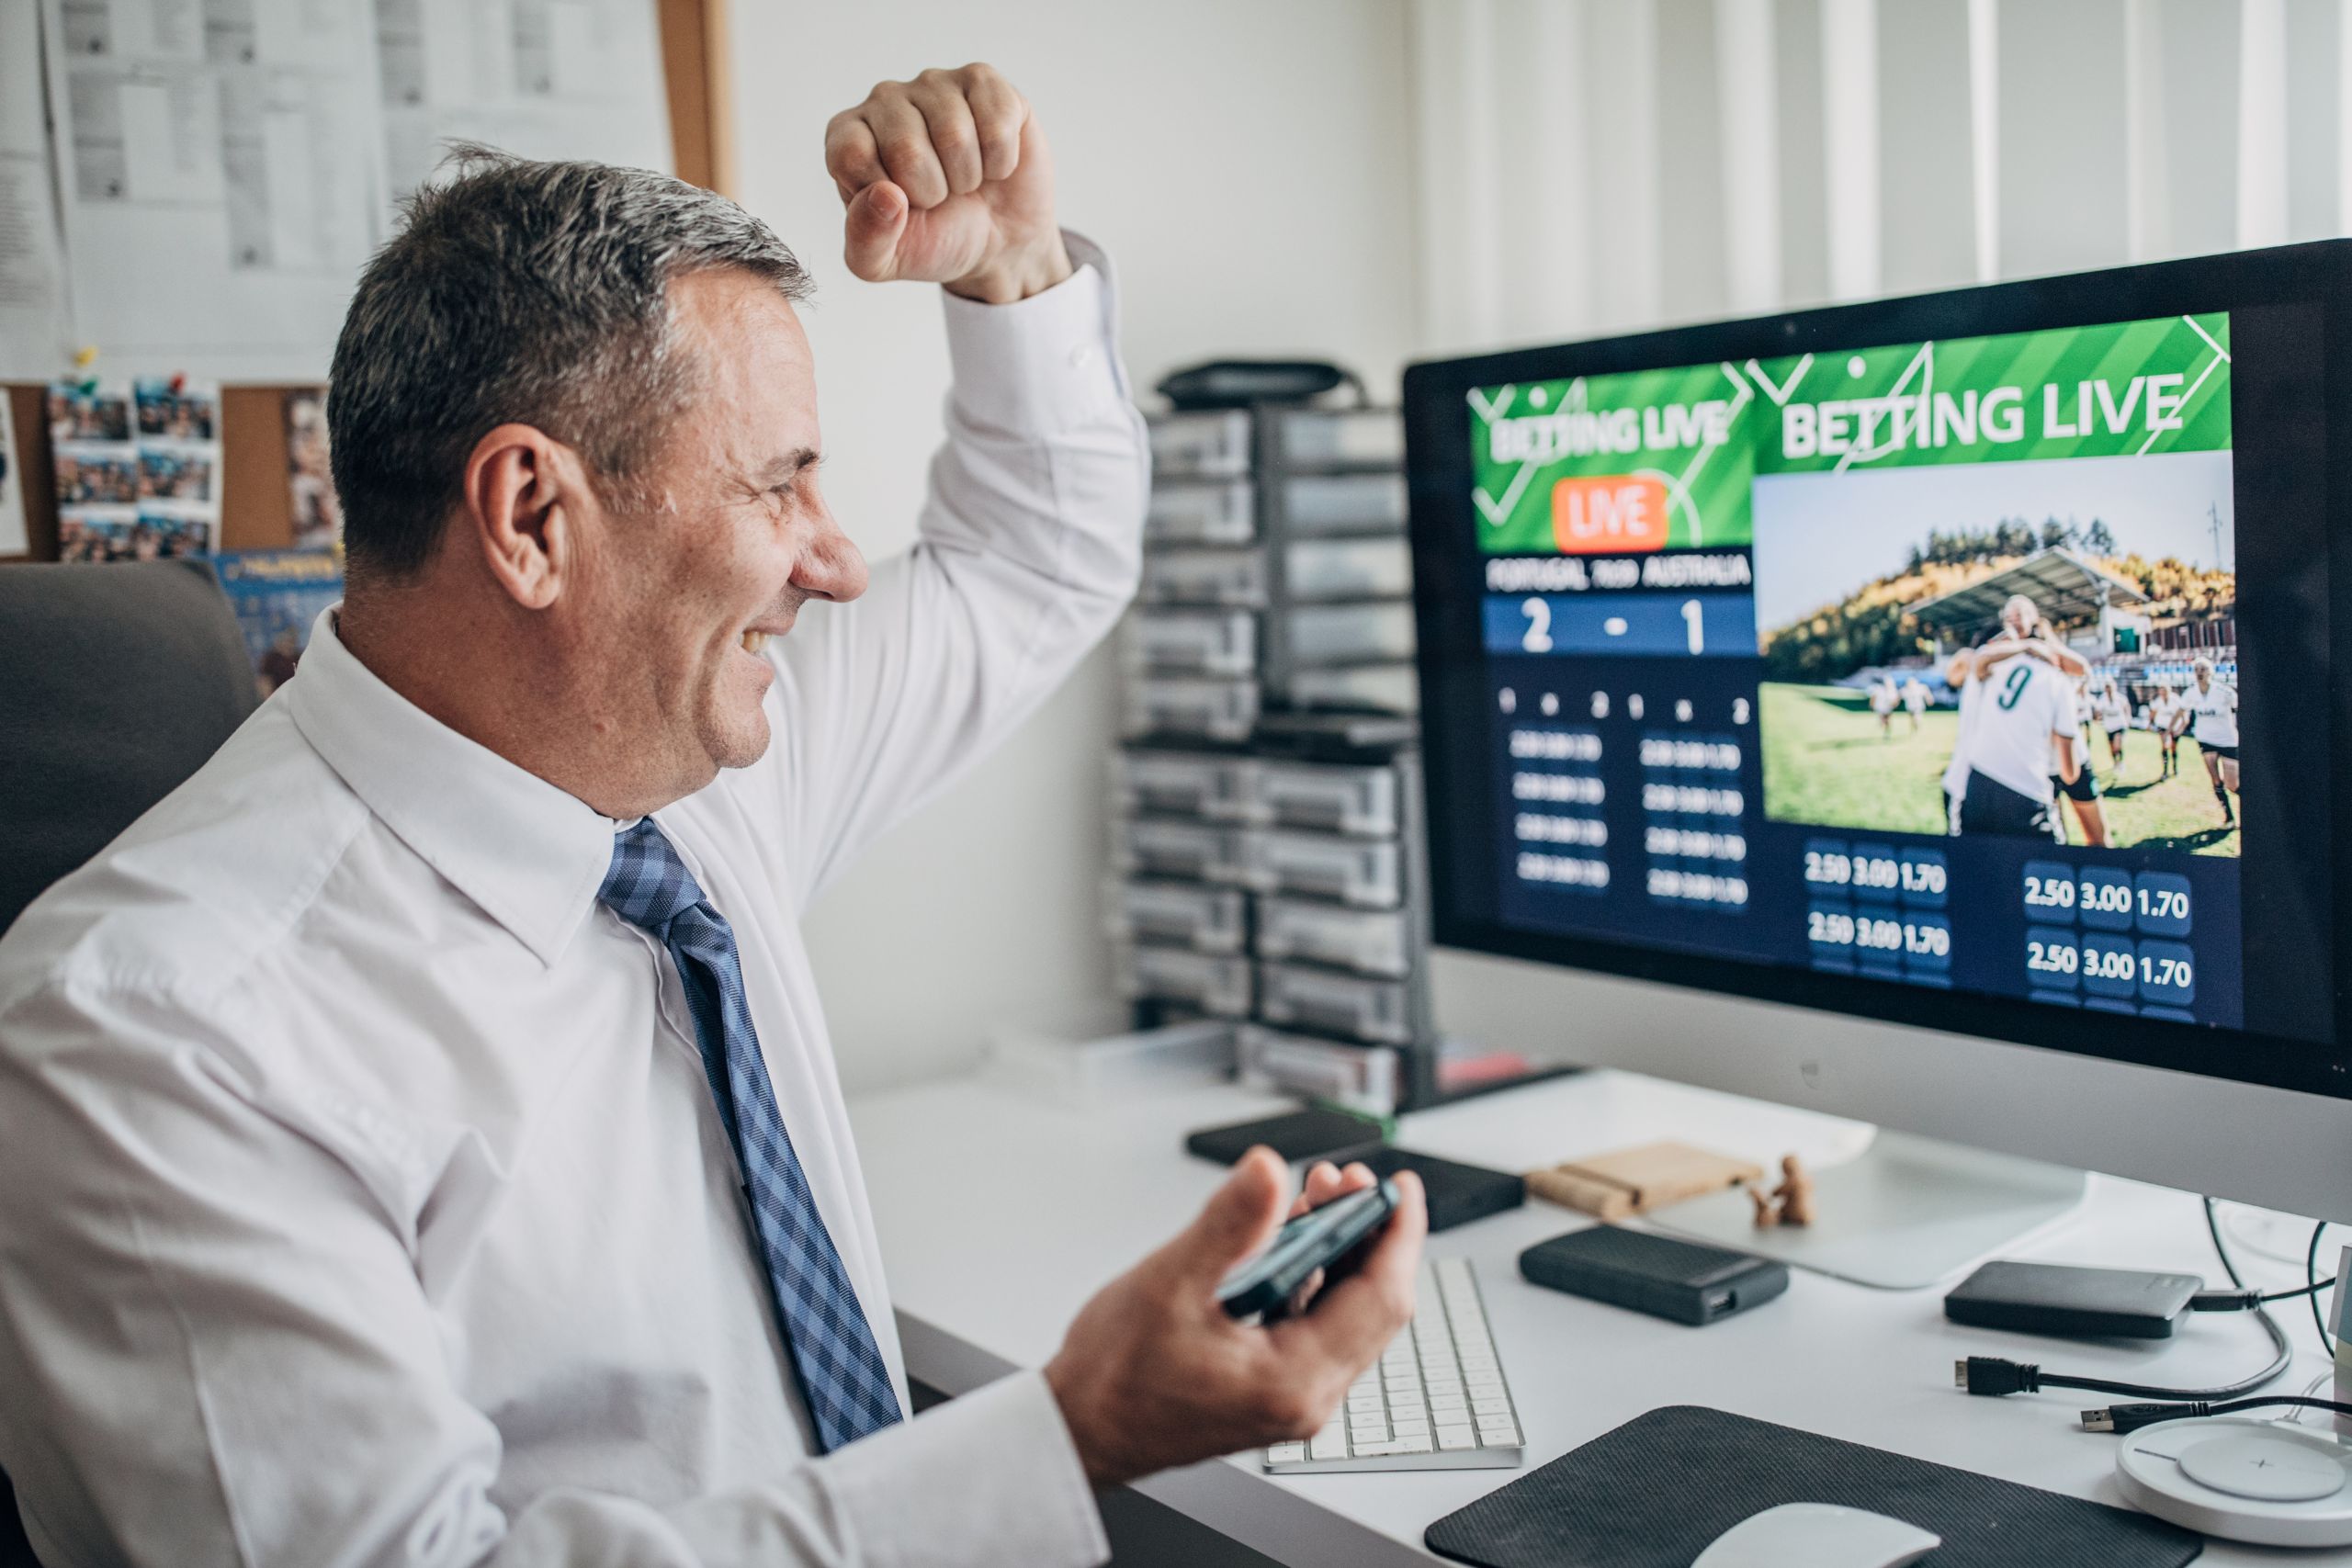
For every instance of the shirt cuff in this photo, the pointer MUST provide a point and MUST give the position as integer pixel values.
(1046, 363)
(991, 1477)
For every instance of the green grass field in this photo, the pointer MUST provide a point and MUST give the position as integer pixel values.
(1826, 763)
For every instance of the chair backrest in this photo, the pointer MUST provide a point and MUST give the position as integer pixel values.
(116, 681)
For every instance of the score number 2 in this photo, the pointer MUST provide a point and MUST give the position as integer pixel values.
(1539, 627)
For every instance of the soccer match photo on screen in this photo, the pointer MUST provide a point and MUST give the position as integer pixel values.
(2031, 647)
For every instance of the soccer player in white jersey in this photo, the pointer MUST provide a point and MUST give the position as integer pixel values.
(2164, 721)
(2020, 740)
(1882, 703)
(1915, 701)
(2210, 713)
(2115, 718)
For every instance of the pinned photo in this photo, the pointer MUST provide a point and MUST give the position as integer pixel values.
(173, 474)
(96, 413)
(96, 476)
(177, 410)
(310, 478)
(109, 534)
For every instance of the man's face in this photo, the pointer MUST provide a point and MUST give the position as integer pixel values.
(736, 538)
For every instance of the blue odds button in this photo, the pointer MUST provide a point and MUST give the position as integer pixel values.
(2050, 891)
(1878, 873)
(2103, 898)
(2160, 903)
(2168, 973)
(1926, 879)
(2111, 965)
(2053, 958)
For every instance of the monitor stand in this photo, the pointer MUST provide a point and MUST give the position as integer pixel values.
(1906, 1213)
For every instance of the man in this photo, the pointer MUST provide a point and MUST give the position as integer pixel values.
(421, 1138)
(2164, 722)
(2022, 733)
(2209, 712)
(1914, 700)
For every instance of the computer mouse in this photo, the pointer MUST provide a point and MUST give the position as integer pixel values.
(1818, 1535)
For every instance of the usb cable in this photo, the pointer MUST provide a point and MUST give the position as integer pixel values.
(2123, 1418)
(1994, 1376)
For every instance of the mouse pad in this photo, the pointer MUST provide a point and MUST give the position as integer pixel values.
(1658, 1490)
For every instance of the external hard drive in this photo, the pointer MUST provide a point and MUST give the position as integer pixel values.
(2086, 1303)
(1676, 1279)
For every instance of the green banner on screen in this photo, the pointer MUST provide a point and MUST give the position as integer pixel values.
(1663, 459)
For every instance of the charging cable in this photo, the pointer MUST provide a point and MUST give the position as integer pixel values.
(1995, 1376)
(2311, 1272)
(2123, 1418)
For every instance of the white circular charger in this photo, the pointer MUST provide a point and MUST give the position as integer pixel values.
(2270, 1483)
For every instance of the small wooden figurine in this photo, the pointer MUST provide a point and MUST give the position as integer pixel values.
(1795, 1193)
(1791, 1203)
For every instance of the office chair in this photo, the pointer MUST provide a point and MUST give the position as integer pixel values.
(115, 683)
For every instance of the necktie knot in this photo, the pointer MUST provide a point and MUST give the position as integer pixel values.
(648, 885)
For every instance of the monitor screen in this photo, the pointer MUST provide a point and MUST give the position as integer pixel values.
(1961, 661)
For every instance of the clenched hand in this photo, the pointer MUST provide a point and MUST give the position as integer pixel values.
(948, 179)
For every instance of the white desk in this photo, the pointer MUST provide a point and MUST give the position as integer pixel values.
(1001, 1213)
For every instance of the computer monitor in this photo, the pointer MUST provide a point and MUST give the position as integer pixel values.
(1767, 666)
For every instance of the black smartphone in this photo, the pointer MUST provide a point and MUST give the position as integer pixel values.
(1268, 1285)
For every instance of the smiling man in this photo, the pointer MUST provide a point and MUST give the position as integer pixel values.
(421, 1140)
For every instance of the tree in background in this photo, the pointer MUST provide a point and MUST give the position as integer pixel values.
(1872, 626)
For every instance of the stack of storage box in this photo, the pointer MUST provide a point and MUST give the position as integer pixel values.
(1268, 844)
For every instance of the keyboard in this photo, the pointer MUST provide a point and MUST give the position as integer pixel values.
(1435, 1400)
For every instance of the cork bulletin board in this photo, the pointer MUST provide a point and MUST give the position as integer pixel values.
(257, 510)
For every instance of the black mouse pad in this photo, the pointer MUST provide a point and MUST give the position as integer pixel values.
(1658, 1490)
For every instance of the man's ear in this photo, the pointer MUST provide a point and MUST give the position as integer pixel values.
(527, 501)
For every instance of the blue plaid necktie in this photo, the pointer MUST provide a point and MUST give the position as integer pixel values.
(840, 1369)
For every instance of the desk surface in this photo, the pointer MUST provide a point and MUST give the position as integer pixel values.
(1001, 1213)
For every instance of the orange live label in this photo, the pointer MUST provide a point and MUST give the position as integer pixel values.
(1608, 512)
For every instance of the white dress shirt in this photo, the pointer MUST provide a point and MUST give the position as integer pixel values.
(362, 1200)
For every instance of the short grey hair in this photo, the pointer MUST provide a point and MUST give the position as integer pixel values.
(529, 293)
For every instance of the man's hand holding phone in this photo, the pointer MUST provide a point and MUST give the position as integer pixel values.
(1155, 1373)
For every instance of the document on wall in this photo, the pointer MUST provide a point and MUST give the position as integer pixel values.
(541, 78)
(220, 170)
(32, 271)
(14, 540)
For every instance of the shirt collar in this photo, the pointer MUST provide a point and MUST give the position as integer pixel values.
(529, 854)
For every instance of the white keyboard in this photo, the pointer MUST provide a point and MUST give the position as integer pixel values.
(1436, 1399)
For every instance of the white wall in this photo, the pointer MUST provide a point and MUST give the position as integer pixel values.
(1248, 166)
